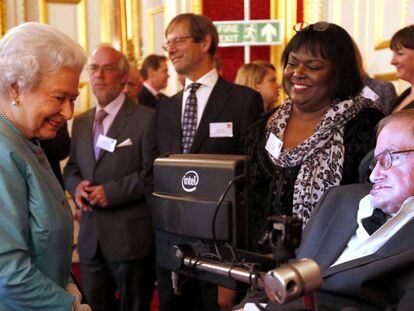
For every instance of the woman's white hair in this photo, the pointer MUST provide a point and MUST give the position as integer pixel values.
(32, 49)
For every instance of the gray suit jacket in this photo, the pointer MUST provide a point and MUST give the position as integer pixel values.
(382, 280)
(124, 230)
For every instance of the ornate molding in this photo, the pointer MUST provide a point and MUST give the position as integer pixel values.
(23, 10)
(388, 76)
(196, 6)
(312, 11)
(133, 31)
(83, 103)
(151, 38)
(3, 17)
(106, 7)
(286, 12)
(81, 8)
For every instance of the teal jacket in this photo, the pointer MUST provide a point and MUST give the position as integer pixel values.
(36, 229)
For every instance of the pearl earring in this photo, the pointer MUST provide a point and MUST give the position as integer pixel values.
(14, 103)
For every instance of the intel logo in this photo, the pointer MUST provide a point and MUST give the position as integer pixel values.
(189, 181)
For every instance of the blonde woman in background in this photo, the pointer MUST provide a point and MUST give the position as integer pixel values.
(260, 75)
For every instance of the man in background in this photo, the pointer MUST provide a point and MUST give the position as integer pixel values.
(134, 84)
(109, 175)
(56, 150)
(209, 116)
(154, 70)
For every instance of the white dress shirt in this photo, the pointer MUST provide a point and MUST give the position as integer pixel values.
(362, 244)
(112, 110)
(151, 89)
(203, 93)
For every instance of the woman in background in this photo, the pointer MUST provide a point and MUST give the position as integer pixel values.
(382, 92)
(260, 75)
(317, 137)
(402, 46)
(39, 79)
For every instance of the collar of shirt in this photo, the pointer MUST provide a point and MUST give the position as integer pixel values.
(209, 79)
(112, 109)
(362, 244)
(203, 93)
(151, 89)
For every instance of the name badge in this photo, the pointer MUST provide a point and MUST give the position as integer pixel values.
(274, 145)
(106, 143)
(221, 129)
(367, 92)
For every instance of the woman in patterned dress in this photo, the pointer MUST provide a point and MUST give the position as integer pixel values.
(317, 137)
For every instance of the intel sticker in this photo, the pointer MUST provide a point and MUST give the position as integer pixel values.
(189, 181)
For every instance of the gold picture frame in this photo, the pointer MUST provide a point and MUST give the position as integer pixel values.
(82, 104)
(3, 20)
(121, 26)
(81, 7)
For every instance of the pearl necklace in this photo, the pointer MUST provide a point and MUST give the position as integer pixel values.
(3, 114)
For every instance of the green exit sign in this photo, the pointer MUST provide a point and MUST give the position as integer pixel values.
(251, 32)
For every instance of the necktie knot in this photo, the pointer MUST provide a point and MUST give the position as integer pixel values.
(100, 115)
(375, 221)
(194, 87)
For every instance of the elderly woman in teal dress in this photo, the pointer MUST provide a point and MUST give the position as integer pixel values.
(39, 79)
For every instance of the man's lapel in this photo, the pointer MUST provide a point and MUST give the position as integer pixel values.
(87, 133)
(215, 104)
(326, 244)
(335, 239)
(175, 122)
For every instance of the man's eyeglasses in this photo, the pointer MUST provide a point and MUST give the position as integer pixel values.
(174, 42)
(385, 158)
(319, 26)
(92, 69)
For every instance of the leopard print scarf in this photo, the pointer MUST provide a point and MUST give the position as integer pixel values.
(321, 156)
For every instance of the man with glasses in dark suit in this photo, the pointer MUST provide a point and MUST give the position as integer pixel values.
(209, 116)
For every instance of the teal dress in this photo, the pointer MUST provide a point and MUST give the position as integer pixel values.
(36, 229)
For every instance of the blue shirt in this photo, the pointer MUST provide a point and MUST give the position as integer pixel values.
(36, 232)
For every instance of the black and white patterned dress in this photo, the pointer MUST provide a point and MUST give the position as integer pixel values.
(308, 170)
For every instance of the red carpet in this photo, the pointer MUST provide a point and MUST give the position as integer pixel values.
(76, 274)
